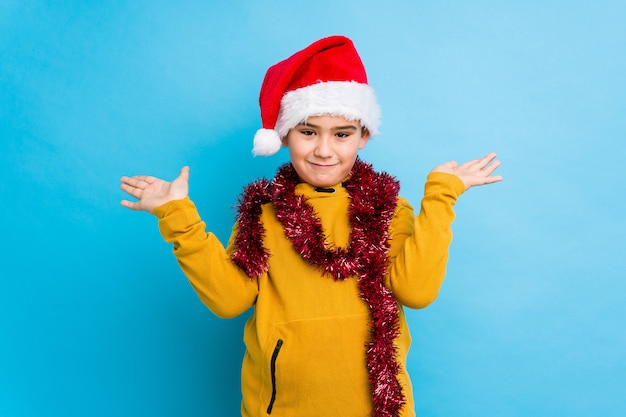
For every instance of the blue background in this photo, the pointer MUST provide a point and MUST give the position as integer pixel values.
(97, 320)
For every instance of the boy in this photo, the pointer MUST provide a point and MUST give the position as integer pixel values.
(326, 252)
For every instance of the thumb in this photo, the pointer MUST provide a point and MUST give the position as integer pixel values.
(180, 186)
(184, 174)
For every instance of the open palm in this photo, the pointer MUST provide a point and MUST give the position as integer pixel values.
(474, 172)
(152, 192)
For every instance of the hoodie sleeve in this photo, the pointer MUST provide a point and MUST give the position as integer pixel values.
(225, 289)
(419, 245)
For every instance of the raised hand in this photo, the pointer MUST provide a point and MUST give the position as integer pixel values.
(474, 172)
(152, 192)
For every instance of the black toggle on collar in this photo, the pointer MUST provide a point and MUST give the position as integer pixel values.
(324, 190)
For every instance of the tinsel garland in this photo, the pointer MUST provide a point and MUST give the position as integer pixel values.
(371, 208)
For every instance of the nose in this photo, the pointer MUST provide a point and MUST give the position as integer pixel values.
(323, 148)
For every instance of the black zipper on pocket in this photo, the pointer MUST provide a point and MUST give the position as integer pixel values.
(279, 344)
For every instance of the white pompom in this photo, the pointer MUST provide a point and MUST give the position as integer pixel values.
(266, 142)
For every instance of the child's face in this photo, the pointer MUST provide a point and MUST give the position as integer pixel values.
(324, 148)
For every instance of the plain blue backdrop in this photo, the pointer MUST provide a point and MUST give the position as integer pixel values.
(97, 320)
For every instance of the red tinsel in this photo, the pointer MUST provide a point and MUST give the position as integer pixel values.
(372, 205)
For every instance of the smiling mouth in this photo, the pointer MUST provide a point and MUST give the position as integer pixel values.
(322, 166)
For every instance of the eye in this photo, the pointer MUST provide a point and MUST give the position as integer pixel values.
(307, 132)
(343, 135)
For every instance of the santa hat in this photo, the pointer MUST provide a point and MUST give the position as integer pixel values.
(325, 78)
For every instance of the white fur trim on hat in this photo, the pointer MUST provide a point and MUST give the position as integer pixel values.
(349, 99)
(266, 142)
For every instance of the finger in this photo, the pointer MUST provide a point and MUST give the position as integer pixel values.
(134, 191)
(130, 204)
(131, 181)
(483, 165)
(488, 170)
(478, 181)
(489, 156)
(145, 178)
(473, 164)
(140, 181)
(492, 179)
(129, 189)
(480, 163)
(485, 160)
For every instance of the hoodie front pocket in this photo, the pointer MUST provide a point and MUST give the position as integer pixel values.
(314, 366)
(279, 344)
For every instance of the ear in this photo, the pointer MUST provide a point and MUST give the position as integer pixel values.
(365, 136)
(285, 141)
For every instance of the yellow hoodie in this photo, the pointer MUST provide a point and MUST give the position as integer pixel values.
(305, 342)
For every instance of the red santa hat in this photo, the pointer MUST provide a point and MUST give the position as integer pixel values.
(325, 78)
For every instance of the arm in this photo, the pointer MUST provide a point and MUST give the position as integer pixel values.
(221, 285)
(419, 246)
